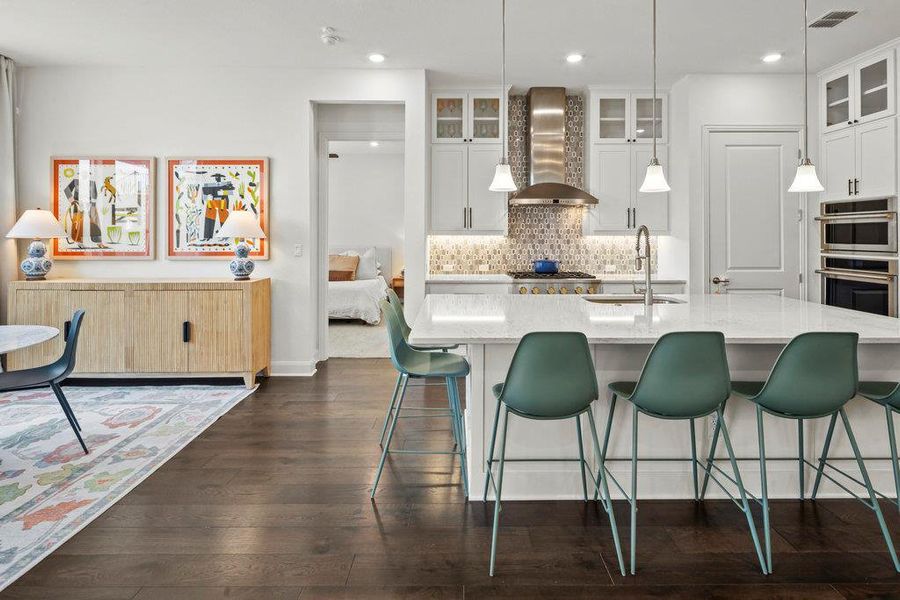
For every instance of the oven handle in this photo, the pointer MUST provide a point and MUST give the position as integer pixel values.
(860, 215)
(856, 275)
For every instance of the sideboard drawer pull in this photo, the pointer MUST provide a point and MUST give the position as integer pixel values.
(186, 331)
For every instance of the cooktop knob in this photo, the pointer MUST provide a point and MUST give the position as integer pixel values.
(579, 290)
(535, 290)
(551, 290)
(592, 289)
(523, 290)
(563, 290)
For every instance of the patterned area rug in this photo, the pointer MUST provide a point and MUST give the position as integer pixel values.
(49, 489)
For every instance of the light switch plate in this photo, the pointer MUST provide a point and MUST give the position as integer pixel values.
(298, 249)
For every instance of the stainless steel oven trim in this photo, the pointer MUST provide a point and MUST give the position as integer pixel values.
(864, 276)
(890, 246)
(877, 215)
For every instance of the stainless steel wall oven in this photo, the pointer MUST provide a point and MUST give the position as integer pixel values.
(865, 284)
(859, 225)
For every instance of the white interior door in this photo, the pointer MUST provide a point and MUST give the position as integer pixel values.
(754, 223)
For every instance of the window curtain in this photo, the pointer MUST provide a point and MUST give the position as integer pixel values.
(8, 201)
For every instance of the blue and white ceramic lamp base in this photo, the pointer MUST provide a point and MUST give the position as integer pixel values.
(37, 265)
(242, 266)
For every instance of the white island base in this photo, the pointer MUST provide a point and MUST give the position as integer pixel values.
(756, 329)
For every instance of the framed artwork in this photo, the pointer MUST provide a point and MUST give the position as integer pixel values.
(202, 191)
(106, 206)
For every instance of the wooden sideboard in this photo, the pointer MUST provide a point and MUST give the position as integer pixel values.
(148, 328)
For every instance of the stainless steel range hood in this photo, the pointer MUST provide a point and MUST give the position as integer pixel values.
(547, 153)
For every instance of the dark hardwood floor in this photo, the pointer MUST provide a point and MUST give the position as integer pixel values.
(272, 501)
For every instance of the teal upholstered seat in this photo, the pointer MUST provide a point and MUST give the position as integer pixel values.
(815, 376)
(551, 377)
(412, 363)
(685, 377)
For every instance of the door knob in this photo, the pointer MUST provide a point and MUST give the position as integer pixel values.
(720, 280)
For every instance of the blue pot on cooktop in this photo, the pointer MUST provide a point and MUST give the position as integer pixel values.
(545, 266)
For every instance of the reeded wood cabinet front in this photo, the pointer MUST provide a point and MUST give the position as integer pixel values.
(143, 328)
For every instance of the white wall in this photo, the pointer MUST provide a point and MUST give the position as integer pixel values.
(697, 101)
(365, 203)
(206, 111)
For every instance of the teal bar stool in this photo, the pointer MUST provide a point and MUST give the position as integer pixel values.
(397, 304)
(418, 364)
(815, 376)
(551, 377)
(886, 393)
(685, 378)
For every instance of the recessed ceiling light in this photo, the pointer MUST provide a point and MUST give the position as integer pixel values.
(771, 58)
(373, 144)
(575, 57)
(375, 57)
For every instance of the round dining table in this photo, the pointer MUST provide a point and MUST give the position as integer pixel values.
(16, 337)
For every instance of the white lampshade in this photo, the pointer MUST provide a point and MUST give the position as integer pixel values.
(806, 179)
(655, 179)
(503, 180)
(37, 224)
(241, 224)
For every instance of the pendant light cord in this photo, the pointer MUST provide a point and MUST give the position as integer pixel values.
(805, 83)
(654, 80)
(503, 102)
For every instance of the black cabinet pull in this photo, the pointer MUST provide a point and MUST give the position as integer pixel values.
(849, 187)
(856, 186)
(849, 122)
(856, 120)
(186, 331)
(66, 326)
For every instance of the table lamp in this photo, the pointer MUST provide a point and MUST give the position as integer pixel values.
(241, 224)
(36, 224)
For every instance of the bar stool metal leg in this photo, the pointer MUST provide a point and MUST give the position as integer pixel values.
(764, 487)
(490, 457)
(604, 486)
(872, 496)
(893, 441)
(609, 420)
(581, 456)
(390, 410)
(499, 493)
(824, 455)
(387, 443)
(800, 461)
(453, 393)
(634, 461)
(712, 454)
(694, 460)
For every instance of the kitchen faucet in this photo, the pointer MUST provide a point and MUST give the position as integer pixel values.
(639, 263)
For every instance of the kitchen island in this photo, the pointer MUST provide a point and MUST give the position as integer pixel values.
(756, 327)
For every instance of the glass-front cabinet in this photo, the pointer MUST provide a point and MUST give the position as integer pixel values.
(861, 92)
(627, 117)
(466, 117)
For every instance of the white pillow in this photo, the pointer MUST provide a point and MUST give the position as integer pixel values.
(368, 267)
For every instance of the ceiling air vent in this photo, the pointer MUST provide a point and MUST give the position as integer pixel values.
(835, 17)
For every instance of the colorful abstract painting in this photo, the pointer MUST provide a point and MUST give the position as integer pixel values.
(50, 489)
(105, 205)
(202, 192)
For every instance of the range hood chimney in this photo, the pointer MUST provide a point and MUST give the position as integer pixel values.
(547, 153)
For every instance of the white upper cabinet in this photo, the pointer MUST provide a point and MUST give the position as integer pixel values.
(460, 200)
(487, 209)
(626, 117)
(466, 117)
(857, 93)
(861, 161)
(616, 174)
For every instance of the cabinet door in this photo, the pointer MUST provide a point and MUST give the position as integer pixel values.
(876, 158)
(102, 340)
(641, 125)
(486, 114)
(449, 186)
(610, 184)
(651, 210)
(487, 209)
(838, 161)
(449, 118)
(216, 337)
(837, 100)
(155, 340)
(874, 87)
(40, 307)
(613, 115)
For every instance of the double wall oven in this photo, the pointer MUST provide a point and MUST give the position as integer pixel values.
(859, 255)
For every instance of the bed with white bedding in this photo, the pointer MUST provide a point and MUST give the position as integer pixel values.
(359, 299)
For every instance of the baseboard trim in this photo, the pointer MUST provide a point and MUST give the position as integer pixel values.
(292, 368)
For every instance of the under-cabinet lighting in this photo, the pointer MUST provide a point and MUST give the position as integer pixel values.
(375, 57)
(771, 58)
(468, 318)
(574, 58)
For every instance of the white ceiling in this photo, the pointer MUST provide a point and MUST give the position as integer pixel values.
(457, 41)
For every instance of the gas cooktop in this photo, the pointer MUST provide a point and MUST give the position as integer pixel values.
(560, 275)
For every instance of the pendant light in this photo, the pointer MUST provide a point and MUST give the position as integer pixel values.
(503, 180)
(655, 179)
(806, 179)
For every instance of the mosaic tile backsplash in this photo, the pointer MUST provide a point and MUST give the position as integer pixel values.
(538, 231)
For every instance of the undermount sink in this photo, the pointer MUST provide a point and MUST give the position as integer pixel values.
(626, 299)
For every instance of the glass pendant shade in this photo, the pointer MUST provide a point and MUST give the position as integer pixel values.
(806, 179)
(503, 180)
(655, 179)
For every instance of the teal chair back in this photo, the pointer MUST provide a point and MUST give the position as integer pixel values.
(815, 375)
(395, 301)
(551, 376)
(686, 375)
(401, 353)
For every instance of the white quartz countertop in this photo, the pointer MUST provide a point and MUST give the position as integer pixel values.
(748, 319)
(468, 278)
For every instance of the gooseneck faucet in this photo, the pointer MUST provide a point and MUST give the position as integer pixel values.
(639, 263)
